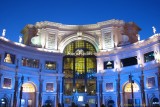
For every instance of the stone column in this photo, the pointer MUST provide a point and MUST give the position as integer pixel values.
(37, 100)
(58, 91)
(121, 95)
(158, 80)
(99, 91)
(40, 87)
(98, 98)
(16, 86)
(142, 87)
(118, 91)
(55, 101)
(60, 85)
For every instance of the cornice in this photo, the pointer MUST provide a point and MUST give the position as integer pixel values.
(21, 48)
(85, 27)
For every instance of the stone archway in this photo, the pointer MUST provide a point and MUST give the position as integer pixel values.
(74, 37)
(29, 95)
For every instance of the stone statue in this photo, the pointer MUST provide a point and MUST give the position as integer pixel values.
(138, 36)
(20, 39)
(154, 29)
(4, 32)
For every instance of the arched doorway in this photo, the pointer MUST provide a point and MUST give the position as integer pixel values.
(155, 102)
(79, 67)
(3, 102)
(128, 99)
(28, 96)
(48, 103)
(110, 103)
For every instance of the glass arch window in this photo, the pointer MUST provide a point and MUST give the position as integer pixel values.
(79, 67)
(128, 87)
(28, 87)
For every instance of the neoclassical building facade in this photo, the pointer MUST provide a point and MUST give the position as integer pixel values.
(103, 63)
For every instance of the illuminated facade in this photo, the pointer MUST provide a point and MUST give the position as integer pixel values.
(103, 63)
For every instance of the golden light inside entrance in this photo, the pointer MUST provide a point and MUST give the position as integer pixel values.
(28, 87)
(128, 87)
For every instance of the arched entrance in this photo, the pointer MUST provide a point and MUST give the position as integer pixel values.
(48, 103)
(28, 96)
(3, 102)
(110, 103)
(127, 95)
(79, 67)
(154, 102)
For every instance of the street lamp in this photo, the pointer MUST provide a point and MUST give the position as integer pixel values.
(21, 90)
(158, 74)
(131, 81)
(118, 88)
(142, 86)
(40, 87)
(15, 86)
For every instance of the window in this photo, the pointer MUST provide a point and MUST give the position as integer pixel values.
(128, 87)
(79, 67)
(149, 56)
(129, 61)
(7, 83)
(68, 86)
(50, 65)
(49, 87)
(151, 82)
(80, 85)
(30, 62)
(108, 65)
(109, 86)
(91, 87)
(91, 101)
(67, 100)
(9, 58)
(28, 87)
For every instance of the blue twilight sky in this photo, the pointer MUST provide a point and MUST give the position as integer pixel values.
(15, 14)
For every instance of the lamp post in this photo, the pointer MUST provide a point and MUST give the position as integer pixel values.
(131, 81)
(118, 88)
(40, 88)
(158, 75)
(15, 86)
(100, 91)
(21, 90)
(142, 86)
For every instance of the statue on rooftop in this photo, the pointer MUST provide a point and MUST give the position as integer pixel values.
(20, 39)
(4, 32)
(154, 29)
(138, 36)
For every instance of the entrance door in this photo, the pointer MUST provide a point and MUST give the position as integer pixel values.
(130, 103)
(28, 95)
(155, 102)
(3, 102)
(110, 103)
(48, 103)
(127, 95)
(79, 67)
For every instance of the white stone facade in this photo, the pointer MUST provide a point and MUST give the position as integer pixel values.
(113, 40)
